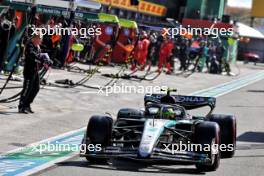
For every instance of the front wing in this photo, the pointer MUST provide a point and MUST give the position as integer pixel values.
(157, 155)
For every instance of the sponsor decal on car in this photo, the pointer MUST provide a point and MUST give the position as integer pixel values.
(189, 99)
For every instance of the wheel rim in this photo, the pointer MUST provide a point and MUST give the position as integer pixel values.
(214, 151)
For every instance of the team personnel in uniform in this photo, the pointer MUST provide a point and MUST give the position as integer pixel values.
(165, 54)
(145, 47)
(31, 76)
(141, 51)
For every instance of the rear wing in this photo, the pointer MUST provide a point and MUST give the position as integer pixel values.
(188, 102)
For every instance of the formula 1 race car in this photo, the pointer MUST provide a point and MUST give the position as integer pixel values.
(155, 134)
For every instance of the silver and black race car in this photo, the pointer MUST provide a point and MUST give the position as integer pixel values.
(164, 132)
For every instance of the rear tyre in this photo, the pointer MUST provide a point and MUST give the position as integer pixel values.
(208, 134)
(122, 121)
(228, 130)
(99, 131)
(130, 113)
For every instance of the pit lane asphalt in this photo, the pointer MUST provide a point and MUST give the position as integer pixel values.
(247, 104)
(62, 110)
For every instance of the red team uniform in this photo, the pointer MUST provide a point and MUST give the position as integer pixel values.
(141, 52)
(164, 55)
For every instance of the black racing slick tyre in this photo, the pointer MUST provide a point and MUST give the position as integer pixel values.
(208, 134)
(126, 116)
(99, 131)
(129, 117)
(228, 129)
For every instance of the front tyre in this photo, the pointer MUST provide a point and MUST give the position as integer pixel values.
(208, 134)
(99, 131)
